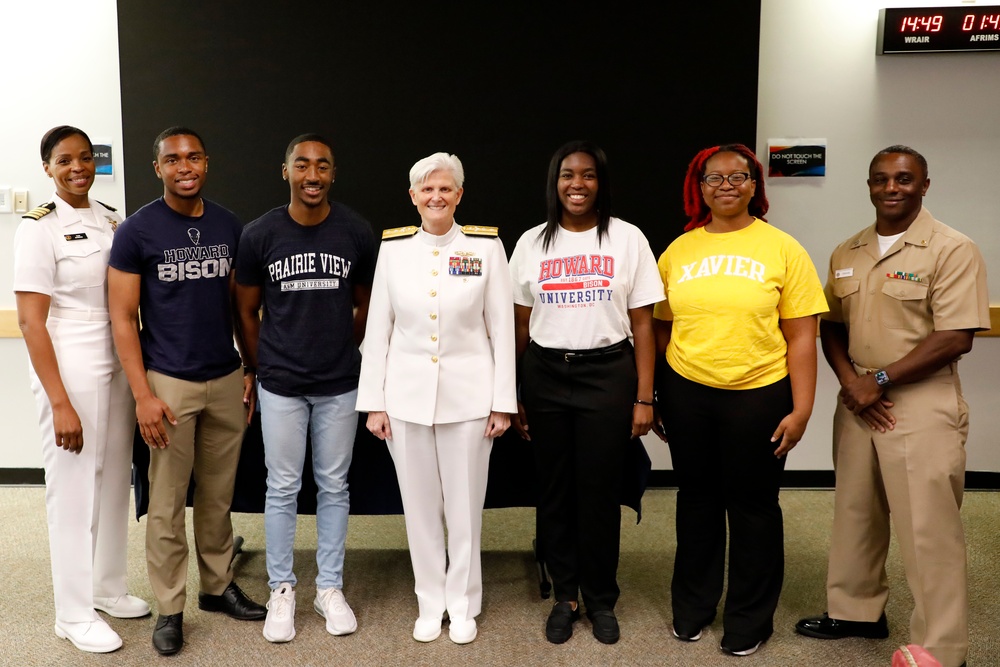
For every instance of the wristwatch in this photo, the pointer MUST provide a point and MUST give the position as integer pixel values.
(882, 378)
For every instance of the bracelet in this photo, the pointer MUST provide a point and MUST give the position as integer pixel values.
(247, 370)
(639, 401)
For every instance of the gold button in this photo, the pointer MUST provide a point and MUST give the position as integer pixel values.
(434, 359)
(436, 253)
(434, 338)
(434, 292)
(434, 272)
(434, 316)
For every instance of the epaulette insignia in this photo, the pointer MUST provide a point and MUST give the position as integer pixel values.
(399, 232)
(110, 208)
(476, 230)
(40, 211)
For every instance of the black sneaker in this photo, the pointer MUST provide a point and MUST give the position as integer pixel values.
(559, 627)
(742, 649)
(605, 625)
(686, 635)
(689, 632)
(740, 646)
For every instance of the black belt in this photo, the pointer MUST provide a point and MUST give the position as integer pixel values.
(580, 355)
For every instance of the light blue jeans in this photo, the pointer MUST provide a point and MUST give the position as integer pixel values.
(285, 421)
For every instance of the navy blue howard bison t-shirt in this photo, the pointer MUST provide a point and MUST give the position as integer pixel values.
(184, 264)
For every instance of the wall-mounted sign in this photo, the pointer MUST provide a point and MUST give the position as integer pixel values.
(796, 157)
(102, 157)
(938, 29)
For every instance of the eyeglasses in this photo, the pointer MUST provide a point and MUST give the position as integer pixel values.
(736, 179)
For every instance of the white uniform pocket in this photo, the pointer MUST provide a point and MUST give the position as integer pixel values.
(83, 264)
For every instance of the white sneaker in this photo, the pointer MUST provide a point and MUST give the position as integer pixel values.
(279, 626)
(427, 628)
(331, 605)
(90, 636)
(123, 606)
(462, 632)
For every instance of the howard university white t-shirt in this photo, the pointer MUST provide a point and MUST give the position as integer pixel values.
(580, 292)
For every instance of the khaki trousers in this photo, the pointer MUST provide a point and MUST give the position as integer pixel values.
(206, 441)
(916, 474)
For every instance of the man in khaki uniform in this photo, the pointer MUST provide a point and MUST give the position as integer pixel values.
(906, 296)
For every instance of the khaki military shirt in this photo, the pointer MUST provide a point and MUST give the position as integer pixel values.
(933, 278)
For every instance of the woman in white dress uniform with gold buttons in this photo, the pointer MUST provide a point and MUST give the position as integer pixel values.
(85, 409)
(437, 379)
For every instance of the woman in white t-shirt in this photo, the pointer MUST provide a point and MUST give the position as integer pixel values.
(738, 334)
(584, 288)
(85, 408)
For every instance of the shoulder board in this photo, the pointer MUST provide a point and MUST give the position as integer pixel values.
(476, 230)
(399, 232)
(110, 208)
(39, 211)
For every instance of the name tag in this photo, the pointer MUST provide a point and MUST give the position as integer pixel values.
(843, 273)
(75, 237)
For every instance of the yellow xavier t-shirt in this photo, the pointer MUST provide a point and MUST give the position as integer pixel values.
(726, 294)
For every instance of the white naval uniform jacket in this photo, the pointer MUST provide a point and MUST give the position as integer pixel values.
(439, 344)
(66, 257)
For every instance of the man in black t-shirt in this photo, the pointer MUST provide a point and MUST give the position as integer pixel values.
(173, 258)
(310, 264)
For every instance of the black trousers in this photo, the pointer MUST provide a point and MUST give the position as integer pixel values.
(580, 421)
(720, 443)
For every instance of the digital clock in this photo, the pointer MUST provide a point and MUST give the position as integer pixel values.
(938, 29)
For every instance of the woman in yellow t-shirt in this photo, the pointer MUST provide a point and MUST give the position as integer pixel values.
(738, 331)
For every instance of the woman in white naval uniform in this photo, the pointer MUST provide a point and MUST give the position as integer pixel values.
(437, 379)
(85, 408)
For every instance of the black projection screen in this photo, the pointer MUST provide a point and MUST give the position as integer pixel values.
(502, 85)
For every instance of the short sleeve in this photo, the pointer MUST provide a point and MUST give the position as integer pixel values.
(802, 293)
(367, 252)
(836, 312)
(958, 295)
(248, 266)
(34, 258)
(661, 310)
(647, 286)
(519, 280)
(126, 251)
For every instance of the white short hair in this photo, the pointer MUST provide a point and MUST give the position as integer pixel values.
(423, 168)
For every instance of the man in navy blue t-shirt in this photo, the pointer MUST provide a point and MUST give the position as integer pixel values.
(173, 258)
(310, 264)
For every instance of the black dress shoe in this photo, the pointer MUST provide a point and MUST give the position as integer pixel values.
(234, 603)
(168, 636)
(559, 627)
(605, 625)
(824, 627)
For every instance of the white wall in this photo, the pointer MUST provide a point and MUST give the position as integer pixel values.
(819, 77)
(60, 68)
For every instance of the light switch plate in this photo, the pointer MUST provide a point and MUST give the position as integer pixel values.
(20, 201)
(6, 205)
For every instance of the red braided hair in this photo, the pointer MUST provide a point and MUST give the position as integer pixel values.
(694, 203)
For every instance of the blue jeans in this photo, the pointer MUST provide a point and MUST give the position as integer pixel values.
(332, 422)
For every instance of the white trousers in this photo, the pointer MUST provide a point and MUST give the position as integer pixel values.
(86, 494)
(442, 472)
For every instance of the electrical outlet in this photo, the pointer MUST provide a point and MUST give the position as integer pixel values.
(20, 201)
(6, 205)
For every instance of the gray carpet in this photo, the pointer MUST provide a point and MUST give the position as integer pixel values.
(379, 586)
